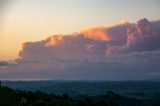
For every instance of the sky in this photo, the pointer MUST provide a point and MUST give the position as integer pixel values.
(33, 20)
(79, 39)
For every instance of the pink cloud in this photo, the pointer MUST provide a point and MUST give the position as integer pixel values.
(142, 36)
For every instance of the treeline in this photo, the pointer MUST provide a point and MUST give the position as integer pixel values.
(10, 97)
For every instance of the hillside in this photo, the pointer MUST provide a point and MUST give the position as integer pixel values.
(10, 97)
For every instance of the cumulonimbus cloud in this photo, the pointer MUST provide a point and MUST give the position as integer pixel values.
(89, 42)
(142, 36)
(95, 53)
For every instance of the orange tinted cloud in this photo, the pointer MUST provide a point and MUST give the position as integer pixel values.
(124, 22)
(96, 34)
(54, 40)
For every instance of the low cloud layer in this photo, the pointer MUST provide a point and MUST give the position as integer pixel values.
(124, 51)
(3, 63)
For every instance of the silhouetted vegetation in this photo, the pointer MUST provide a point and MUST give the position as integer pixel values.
(10, 97)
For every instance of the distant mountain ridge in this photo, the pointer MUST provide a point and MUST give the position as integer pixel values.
(136, 89)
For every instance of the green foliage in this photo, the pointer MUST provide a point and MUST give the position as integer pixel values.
(10, 97)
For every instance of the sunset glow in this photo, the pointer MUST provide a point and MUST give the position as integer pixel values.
(22, 21)
(79, 39)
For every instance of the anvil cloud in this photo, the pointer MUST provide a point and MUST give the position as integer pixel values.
(126, 51)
